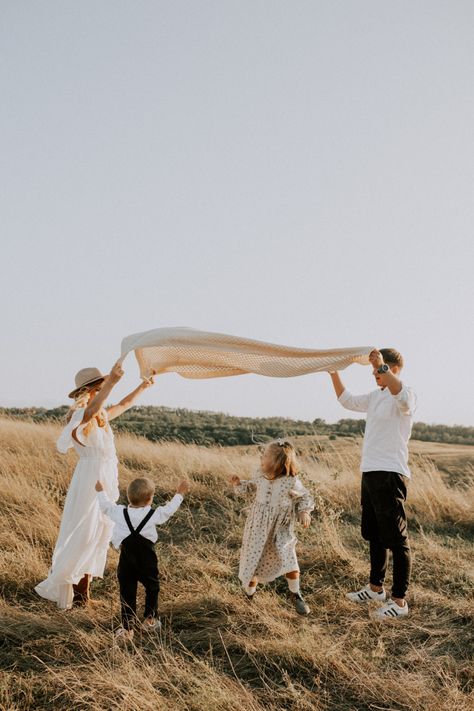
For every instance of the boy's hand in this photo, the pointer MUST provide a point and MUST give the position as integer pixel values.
(183, 487)
(98, 486)
(375, 358)
(304, 517)
(234, 480)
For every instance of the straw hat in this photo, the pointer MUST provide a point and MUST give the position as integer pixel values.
(86, 376)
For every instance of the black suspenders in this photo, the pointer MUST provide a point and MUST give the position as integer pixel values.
(143, 522)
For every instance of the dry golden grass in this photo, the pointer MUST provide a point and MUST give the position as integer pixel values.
(219, 652)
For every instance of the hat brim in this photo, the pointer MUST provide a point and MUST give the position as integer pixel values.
(89, 382)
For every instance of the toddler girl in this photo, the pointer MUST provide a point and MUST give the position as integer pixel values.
(269, 540)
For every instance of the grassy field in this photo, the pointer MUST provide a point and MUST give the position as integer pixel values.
(219, 652)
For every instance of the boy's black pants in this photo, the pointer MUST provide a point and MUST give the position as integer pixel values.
(384, 525)
(137, 564)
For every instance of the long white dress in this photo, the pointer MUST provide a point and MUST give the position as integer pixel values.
(85, 532)
(269, 539)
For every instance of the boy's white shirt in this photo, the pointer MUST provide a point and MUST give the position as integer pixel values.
(121, 530)
(387, 430)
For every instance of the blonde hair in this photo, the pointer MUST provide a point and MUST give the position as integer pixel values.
(81, 398)
(140, 491)
(284, 461)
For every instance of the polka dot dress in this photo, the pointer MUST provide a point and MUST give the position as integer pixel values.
(269, 540)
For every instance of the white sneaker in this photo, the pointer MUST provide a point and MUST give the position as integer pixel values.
(151, 625)
(365, 594)
(390, 611)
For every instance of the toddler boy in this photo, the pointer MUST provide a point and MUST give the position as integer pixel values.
(135, 534)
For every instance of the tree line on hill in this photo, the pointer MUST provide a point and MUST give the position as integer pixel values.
(210, 428)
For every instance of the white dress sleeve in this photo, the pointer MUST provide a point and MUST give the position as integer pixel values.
(248, 486)
(65, 440)
(303, 499)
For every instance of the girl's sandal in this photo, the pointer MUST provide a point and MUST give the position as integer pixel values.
(123, 636)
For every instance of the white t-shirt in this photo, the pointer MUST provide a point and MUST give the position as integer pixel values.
(121, 530)
(387, 430)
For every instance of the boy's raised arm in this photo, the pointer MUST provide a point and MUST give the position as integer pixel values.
(358, 403)
(163, 513)
(105, 504)
(337, 383)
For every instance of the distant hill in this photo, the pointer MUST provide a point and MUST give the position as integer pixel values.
(209, 428)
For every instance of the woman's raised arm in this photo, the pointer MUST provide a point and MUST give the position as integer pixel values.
(115, 410)
(98, 400)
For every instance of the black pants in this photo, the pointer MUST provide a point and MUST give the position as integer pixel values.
(384, 525)
(137, 564)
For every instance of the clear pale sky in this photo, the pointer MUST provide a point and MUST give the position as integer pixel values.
(299, 172)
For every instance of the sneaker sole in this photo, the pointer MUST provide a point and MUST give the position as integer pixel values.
(358, 601)
(389, 618)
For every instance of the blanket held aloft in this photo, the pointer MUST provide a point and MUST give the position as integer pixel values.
(202, 354)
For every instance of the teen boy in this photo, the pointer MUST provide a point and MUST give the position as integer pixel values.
(385, 472)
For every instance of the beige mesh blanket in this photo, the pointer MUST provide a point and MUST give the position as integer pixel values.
(199, 354)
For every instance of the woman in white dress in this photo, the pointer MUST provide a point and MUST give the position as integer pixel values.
(269, 541)
(85, 533)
